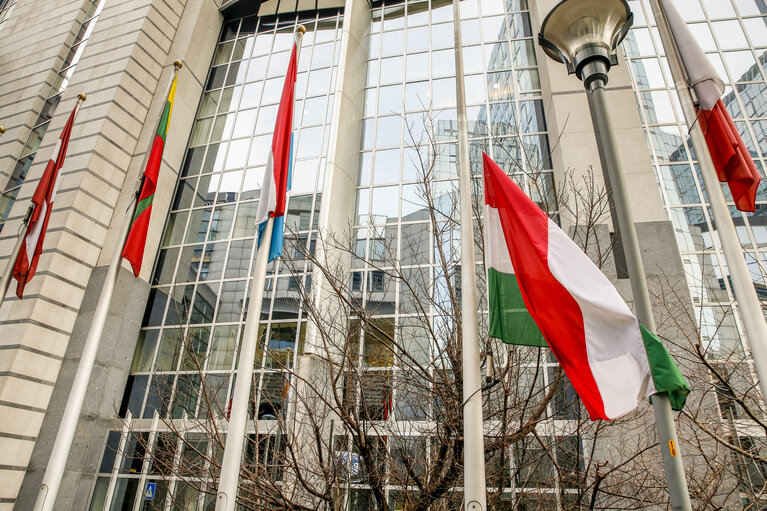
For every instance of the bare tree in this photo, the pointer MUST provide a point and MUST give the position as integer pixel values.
(368, 413)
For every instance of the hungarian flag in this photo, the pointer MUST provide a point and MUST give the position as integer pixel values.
(729, 153)
(612, 361)
(134, 244)
(26, 261)
(276, 182)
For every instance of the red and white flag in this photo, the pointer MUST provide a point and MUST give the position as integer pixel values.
(729, 153)
(45, 194)
(276, 181)
(611, 360)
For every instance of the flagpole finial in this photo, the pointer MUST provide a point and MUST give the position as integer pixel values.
(2, 130)
(301, 29)
(178, 64)
(82, 97)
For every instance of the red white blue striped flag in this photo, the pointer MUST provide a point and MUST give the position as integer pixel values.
(276, 181)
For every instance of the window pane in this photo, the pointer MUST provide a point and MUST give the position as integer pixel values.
(145, 347)
(222, 348)
(124, 494)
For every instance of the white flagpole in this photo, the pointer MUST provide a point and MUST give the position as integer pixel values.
(474, 488)
(238, 419)
(46, 497)
(745, 293)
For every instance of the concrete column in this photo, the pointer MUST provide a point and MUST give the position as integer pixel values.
(337, 212)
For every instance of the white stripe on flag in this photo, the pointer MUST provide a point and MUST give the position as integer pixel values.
(496, 252)
(34, 235)
(267, 201)
(55, 153)
(614, 344)
(55, 188)
(700, 71)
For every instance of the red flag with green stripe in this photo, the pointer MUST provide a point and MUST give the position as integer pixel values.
(134, 244)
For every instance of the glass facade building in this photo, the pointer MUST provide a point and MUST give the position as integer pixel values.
(202, 275)
(733, 35)
(375, 117)
(195, 312)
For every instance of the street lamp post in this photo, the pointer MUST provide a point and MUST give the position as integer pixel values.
(583, 35)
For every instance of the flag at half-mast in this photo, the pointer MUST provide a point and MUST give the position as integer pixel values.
(26, 261)
(729, 153)
(276, 182)
(611, 360)
(136, 240)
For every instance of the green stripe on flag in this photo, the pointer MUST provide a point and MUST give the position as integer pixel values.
(162, 128)
(509, 319)
(665, 374)
(142, 206)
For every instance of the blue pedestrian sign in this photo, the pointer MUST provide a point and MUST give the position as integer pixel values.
(149, 492)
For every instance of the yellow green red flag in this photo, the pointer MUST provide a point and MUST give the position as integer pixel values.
(134, 244)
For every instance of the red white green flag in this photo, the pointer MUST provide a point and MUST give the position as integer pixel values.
(612, 361)
(134, 244)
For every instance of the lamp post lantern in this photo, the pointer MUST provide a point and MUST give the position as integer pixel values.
(583, 35)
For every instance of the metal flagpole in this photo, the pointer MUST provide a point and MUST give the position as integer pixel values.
(745, 293)
(475, 492)
(238, 419)
(46, 497)
(664, 421)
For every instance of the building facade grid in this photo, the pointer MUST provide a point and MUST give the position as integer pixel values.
(733, 36)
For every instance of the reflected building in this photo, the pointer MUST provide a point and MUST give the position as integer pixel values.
(726, 41)
(375, 123)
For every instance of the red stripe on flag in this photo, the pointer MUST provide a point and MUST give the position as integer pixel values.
(24, 267)
(136, 240)
(731, 158)
(555, 311)
(281, 139)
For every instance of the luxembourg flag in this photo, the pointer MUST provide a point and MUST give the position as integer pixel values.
(276, 181)
(612, 361)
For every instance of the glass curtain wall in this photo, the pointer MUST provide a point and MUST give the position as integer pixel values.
(733, 33)
(409, 145)
(6, 8)
(194, 316)
(195, 313)
(734, 36)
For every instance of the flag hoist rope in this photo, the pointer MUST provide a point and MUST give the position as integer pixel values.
(474, 488)
(238, 418)
(745, 293)
(46, 497)
(5, 279)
